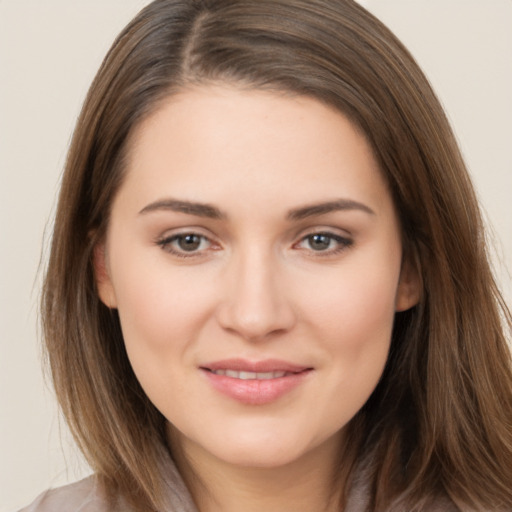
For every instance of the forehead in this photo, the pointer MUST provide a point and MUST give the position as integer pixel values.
(216, 141)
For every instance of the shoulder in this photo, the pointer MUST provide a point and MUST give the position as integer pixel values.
(82, 496)
(359, 498)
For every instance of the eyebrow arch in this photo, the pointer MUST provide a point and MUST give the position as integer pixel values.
(187, 207)
(327, 207)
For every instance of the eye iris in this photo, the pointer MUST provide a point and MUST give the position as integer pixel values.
(319, 242)
(189, 242)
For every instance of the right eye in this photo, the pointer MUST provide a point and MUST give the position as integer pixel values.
(185, 245)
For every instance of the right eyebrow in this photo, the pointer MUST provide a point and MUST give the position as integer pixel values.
(187, 207)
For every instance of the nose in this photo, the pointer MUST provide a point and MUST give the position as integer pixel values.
(255, 304)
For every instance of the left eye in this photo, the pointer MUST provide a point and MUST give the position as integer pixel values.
(185, 243)
(324, 242)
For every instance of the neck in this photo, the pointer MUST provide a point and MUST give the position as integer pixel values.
(304, 485)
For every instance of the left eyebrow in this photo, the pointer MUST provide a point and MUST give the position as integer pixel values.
(327, 207)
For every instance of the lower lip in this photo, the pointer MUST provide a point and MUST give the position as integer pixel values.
(254, 391)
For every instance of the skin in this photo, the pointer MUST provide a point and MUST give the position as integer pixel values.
(255, 284)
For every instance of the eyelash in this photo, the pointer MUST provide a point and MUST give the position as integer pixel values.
(342, 243)
(166, 243)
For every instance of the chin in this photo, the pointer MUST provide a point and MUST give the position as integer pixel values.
(267, 458)
(268, 450)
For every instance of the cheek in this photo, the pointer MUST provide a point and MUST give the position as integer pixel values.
(161, 309)
(358, 334)
(360, 306)
(161, 316)
(355, 329)
(354, 322)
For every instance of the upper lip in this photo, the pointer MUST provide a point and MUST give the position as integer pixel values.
(263, 366)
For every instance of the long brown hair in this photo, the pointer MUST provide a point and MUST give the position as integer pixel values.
(440, 421)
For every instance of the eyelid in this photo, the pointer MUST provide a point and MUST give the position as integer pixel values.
(166, 240)
(344, 241)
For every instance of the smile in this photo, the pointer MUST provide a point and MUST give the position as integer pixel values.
(244, 375)
(255, 383)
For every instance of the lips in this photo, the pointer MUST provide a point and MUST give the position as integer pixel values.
(254, 383)
(250, 375)
(264, 366)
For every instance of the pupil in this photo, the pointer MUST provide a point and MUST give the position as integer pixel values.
(319, 242)
(189, 242)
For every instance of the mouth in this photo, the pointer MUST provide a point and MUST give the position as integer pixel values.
(234, 374)
(266, 369)
(255, 383)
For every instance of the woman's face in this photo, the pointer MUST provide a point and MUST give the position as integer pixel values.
(254, 256)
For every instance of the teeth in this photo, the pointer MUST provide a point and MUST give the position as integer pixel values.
(250, 375)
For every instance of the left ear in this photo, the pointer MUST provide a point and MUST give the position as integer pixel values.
(408, 293)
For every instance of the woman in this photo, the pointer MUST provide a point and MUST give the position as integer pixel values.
(268, 285)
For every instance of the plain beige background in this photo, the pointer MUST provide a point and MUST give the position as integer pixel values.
(49, 52)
